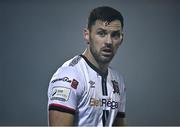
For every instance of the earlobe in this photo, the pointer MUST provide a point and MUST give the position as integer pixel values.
(86, 35)
(121, 37)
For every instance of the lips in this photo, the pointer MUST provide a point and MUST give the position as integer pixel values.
(107, 51)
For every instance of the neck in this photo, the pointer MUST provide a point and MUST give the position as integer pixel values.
(89, 56)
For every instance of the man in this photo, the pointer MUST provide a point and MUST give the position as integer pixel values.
(85, 91)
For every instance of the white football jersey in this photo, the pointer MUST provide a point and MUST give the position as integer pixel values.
(93, 97)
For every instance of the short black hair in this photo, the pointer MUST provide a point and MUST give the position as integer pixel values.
(104, 13)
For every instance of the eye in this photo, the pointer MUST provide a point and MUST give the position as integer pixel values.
(115, 35)
(101, 33)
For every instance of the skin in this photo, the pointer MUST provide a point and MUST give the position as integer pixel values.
(103, 40)
(57, 118)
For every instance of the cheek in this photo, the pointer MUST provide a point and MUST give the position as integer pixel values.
(117, 44)
(97, 41)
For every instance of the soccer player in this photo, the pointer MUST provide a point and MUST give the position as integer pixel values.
(85, 91)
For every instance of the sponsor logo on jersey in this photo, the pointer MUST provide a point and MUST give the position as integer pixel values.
(75, 61)
(65, 79)
(92, 84)
(60, 93)
(103, 103)
(74, 84)
(115, 87)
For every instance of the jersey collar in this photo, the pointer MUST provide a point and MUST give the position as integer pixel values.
(94, 67)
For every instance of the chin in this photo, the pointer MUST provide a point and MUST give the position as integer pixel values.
(106, 60)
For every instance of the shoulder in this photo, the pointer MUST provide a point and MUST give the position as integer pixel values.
(64, 74)
(68, 69)
(73, 62)
(116, 73)
(66, 79)
(68, 75)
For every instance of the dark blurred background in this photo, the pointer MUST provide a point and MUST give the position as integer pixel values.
(37, 37)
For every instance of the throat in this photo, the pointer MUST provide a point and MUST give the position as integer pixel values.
(102, 69)
(101, 66)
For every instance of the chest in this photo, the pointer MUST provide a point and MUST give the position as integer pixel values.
(102, 92)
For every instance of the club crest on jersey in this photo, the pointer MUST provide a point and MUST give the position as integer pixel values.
(74, 84)
(115, 87)
(92, 84)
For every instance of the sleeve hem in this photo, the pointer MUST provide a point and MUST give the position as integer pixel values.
(61, 108)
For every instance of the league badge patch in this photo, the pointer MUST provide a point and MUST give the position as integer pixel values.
(60, 93)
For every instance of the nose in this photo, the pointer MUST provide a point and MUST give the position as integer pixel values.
(109, 39)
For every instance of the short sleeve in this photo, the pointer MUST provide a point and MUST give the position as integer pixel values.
(63, 90)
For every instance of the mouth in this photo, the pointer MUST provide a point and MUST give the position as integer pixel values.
(107, 51)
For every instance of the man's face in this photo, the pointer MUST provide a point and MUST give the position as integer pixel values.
(104, 40)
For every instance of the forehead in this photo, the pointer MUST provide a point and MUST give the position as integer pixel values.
(113, 25)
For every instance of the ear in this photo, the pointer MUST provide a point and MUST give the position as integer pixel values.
(86, 35)
(121, 37)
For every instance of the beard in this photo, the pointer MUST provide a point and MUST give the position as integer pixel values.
(101, 56)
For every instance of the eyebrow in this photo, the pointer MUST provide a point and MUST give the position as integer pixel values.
(101, 29)
(106, 30)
